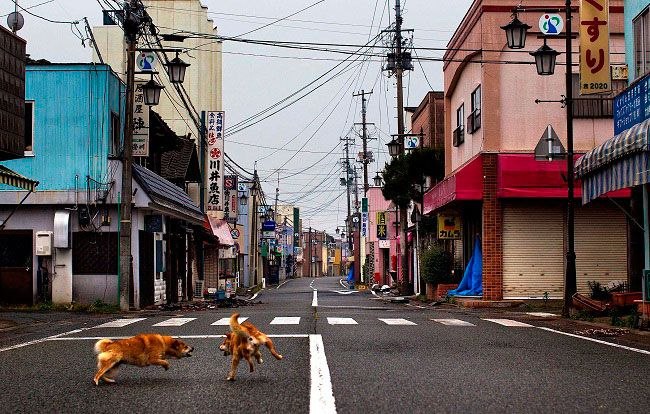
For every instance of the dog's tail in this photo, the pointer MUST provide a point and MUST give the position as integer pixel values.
(235, 326)
(101, 345)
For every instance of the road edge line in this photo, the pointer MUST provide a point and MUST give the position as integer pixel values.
(629, 348)
(38, 341)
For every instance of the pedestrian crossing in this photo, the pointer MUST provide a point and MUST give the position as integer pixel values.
(297, 320)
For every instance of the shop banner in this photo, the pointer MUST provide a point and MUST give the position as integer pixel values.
(595, 74)
(215, 170)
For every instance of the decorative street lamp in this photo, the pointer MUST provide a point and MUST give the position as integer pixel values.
(394, 147)
(516, 33)
(151, 91)
(176, 69)
(377, 179)
(243, 199)
(545, 61)
(545, 58)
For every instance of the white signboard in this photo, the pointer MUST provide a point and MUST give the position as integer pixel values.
(384, 244)
(411, 142)
(146, 61)
(215, 168)
(140, 123)
(551, 24)
(364, 224)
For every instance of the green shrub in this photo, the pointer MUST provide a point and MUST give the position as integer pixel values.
(436, 265)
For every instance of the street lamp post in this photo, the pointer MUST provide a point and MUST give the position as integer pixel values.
(545, 62)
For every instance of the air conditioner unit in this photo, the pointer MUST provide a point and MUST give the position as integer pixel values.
(198, 288)
(43, 244)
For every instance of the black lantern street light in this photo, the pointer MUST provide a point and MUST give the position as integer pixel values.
(545, 58)
(377, 179)
(516, 33)
(176, 69)
(243, 199)
(545, 61)
(394, 147)
(151, 91)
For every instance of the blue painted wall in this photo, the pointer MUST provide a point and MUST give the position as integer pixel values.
(72, 124)
(632, 8)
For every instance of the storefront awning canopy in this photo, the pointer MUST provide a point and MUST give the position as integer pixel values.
(221, 230)
(12, 178)
(620, 162)
(463, 185)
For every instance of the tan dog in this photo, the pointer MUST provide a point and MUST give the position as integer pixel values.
(244, 342)
(141, 350)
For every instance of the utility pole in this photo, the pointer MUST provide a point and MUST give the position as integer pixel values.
(311, 253)
(131, 29)
(364, 137)
(398, 62)
(346, 164)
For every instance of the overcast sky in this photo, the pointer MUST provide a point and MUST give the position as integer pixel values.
(255, 77)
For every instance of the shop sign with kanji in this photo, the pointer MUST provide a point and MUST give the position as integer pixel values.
(215, 170)
(230, 197)
(595, 73)
(140, 146)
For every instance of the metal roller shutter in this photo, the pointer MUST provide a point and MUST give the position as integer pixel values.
(533, 251)
(600, 244)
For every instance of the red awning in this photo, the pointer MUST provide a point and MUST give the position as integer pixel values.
(464, 184)
(221, 230)
(521, 176)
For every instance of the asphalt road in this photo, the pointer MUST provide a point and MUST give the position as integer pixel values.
(345, 351)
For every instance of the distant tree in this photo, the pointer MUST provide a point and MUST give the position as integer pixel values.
(403, 174)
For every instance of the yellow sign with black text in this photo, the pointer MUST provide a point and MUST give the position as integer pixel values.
(595, 73)
(449, 226)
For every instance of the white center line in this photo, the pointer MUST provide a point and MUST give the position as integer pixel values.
(174, 322)
(38, 341)
(314, 301)
(321, 396)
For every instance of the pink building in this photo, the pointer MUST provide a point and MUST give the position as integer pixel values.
(493, 182)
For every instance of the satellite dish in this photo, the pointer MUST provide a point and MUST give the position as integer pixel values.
(15, 21)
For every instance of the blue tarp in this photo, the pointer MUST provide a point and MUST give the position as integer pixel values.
(472, 283)
(350, 278)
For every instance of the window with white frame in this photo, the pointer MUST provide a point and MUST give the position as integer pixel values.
(641, 25)
(29, 127)
(459, 132)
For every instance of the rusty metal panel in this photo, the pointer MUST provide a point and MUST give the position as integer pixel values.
(12, 95)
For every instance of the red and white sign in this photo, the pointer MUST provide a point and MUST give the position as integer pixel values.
(215, 170)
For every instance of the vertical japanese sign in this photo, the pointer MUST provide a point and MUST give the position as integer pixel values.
(364, 217)
(382, 229)
(140, 123)
(230, 197)
(215, 160)
(595, 75)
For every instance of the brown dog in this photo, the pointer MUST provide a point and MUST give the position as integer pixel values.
(244, 342)
(141, 350)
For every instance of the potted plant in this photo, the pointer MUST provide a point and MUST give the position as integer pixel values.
(435, 264)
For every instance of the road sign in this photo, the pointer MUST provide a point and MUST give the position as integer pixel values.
(551, 24)
(268, 225)
(146, 61)
(549, 146)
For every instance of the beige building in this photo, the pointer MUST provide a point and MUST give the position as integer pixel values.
(203, 77)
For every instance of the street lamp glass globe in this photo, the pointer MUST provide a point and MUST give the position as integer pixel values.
(377, 179)
(243, 199)
(393, 148)
(151, 91)
(516, 33)
(176, 70)
(545, 58)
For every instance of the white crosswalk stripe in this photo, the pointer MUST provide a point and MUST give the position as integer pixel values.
(510, 323)
(286, 320)
(341, 321)
(453, 322)
(397, 321)
(174, 322)
(120, 323)
(541, 314)
(226, 321)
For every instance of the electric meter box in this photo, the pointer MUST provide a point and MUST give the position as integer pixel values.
(43, 243)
